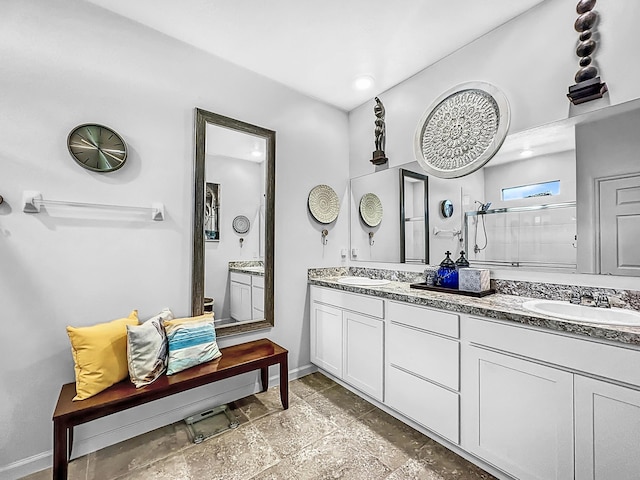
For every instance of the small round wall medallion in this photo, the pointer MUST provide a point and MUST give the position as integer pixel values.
(97, 148)
(446, 208)
(241, 224)
(462, 130)
(371, 209)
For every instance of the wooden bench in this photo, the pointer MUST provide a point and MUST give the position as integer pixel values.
(235, 360)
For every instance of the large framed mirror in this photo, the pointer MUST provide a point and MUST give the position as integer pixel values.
(562, 197)
(233, 223)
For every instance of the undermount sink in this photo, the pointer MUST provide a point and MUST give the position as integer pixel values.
(582, 313)
(254, 269)
(362, 281)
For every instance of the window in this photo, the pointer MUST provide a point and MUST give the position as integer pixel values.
(534, 190)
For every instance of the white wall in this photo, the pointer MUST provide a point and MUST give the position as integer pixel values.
(69, 62)
(531, 59)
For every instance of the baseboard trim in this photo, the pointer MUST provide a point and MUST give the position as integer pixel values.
(89, 443)
(26, 466)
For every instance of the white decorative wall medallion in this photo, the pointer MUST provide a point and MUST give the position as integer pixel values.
(462, 130)
(371, 209)
(323, 203)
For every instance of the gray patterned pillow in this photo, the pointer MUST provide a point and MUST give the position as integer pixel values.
(147, 349)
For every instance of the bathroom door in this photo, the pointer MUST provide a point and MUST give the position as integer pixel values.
(620, 226)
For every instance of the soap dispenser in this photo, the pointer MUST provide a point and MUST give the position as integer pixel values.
(447, 275)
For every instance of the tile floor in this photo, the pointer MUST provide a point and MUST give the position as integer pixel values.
(328, 432)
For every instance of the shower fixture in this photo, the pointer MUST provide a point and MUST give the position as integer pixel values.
(483, 208)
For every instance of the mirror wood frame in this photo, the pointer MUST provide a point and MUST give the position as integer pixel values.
(203, 118)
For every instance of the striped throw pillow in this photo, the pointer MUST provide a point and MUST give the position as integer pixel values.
(192, 341)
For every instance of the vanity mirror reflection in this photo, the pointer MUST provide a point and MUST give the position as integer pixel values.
(398, 233)
(586, 167)
(233, 229)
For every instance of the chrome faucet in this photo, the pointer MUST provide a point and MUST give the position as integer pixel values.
(602, 301)
(590, 300)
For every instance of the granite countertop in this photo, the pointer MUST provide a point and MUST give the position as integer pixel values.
(259, 271)
(498, 306)
(250, 267)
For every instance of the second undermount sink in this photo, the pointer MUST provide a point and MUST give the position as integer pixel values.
(582, 313)
(362, 281)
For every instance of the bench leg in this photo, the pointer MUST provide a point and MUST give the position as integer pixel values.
(60, 459)
(70, 437)
(264, 378)
(284, 382)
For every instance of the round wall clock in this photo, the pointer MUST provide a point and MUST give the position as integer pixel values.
(462, 130)
(97, 148)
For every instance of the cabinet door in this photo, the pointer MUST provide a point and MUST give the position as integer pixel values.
(240, 306)
(363, 357)
(257, 302)
(518, 415)
(326, 338)
(607, 427)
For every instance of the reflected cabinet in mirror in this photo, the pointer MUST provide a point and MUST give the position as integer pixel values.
(559, 197)
(233, 228)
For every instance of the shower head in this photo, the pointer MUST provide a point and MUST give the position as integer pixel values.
(483, 206)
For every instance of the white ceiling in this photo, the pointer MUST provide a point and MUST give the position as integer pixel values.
(320, 48)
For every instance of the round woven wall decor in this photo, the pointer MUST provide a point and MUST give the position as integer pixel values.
(241, 224)
(323, 203)
(462, 130)
(371, 209)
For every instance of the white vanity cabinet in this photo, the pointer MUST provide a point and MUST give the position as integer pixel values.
(607, 430)
(247, 296)
(347, 334)
(257, 297)
(422, 367)
(531, 404)
(520, 417)
(240, 301)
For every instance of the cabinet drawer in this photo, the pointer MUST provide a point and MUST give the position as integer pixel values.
(436, 321)
(257, 281)
(427, 355)
(588, 356)
(434, 407)
(349, 301)
(244, 278)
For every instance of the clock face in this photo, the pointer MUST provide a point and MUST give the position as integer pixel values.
(97, 148)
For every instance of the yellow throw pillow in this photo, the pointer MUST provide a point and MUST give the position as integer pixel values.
(100, 355)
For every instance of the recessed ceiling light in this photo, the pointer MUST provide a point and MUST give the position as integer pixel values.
(526, 153)
(363, 82)
(256, 153)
